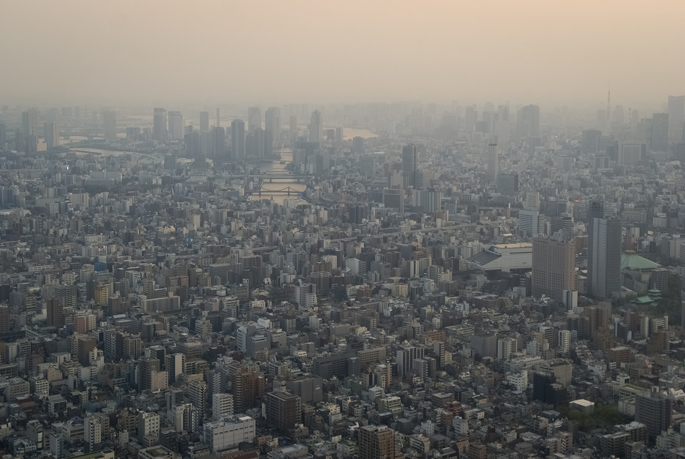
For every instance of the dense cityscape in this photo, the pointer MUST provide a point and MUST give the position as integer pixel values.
(372, 281)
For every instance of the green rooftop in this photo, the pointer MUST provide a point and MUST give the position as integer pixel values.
(631, 260)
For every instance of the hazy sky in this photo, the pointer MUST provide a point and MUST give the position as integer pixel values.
(279, 51)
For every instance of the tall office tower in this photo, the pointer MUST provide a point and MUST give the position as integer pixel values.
(528, 122)
(293, 129)
(55, 313)
(259, 139)
(283, 410)
(197, 391)
(218, 117)
(316, 127)
(238, 139)
(109, 124)
(272, 123)
(29, 129)
(175, 126)
(159, 125)
(409, 165)
(493, 163)
(204, 121)
(145, 368)
(655, 411)
(218, 143)
(676, 117)
(4, 319)
(659, 136)
(92, 431)
(222, 406)
(393, 198)
(51, 134)
(405, 358)
(554, 267)
(605, 240)
(246, 385)
(376, 442)
(254, 119)
(3, 136)
(174, 365)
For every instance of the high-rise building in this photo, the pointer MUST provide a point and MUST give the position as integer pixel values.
(146, 367)
(293, 129)
(409, 165)
(222, 406)
(55, 313)
(197, 390)
(393, 198)
(528, 122)
(605, 240)
(4, 319)
(3, 136)
(655, 411)
(204, 121)
(659, 134)
(376, 442)
(51, 135)
(554, 267)
(272, 123)
(316, 127)
(676, 117)
(246, 385)
(175, 126)
(109, 124)
(29, 130)
(174, 365)
(218, 143)
(254, 119)
(508, 184)
(283, 410)
(148, 426)
(405, 358)
(493, 163)
(159, 125)
(92, 431)
(238, 139)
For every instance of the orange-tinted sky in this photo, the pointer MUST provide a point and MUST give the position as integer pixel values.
(279, 51)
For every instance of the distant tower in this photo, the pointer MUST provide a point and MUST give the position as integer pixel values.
(204, 121)
(493, 163)
(159, 125)
(254, 119)
(51, 135)
(409, 165)
(316, 127)
(608, 112)
(218, 118)
(238, 139)
(109, 124)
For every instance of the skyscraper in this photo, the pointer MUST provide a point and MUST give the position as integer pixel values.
(147, 366)
(554, 267)
(283, 410)
(159, 125)
(409, 165)
(3, 136)
(55, 313)
(604, 252)
(272, 123)
(29, 129)
(293, 129)
(316, 127)
(197, 390)
(254, 119)
(493, 163)
(659, 135)
(238, 139)
(175, 126)
(528, 122)
(204, 121)
(109, 124)
(655, 411)
(218, 143)
(676, 117)
(51, 134)
(376, 442)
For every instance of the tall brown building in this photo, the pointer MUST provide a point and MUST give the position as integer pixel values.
(376, 442)
(283, 410)
(554, 267)
(4, 319)
(247, 384)
(55, 313)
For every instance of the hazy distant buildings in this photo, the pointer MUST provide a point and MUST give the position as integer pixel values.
(218, 143)
(676, 118)
(316, 127)
(409, 165)
(493, 163)
(238, 139)
(29, 130)
(272, 123)
(175, 126)
(159, 125)
(528, 122)
(109, 124)
(204, 121)
(254, 119)
(659, 134)
(51, 134)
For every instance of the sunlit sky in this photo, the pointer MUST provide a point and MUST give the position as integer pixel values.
(281, 51)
